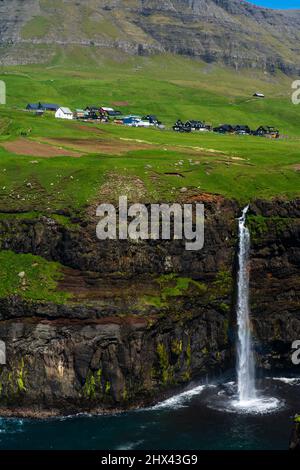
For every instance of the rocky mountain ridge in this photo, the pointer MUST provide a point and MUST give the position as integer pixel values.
(231, 32)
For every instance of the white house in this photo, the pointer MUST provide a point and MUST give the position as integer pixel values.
(64, 113)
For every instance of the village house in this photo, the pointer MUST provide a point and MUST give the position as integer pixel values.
(33, 107)
(42, 107)
(224, 129)
(80, 114)
(242, 129)
(93, 108)
(110, 112)
(267, 131)
(49, 107)
(64, 113)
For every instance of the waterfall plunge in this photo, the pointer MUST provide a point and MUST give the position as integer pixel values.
(245, 362)
(248, 399)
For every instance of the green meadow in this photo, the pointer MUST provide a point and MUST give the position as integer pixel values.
(149, 165)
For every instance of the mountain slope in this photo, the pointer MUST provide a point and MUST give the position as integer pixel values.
(229, 31)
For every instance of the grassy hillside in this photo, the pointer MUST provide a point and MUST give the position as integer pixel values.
(97, 162)
(167, 85)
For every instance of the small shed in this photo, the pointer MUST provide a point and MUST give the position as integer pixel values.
(259, 95)
(64, 113)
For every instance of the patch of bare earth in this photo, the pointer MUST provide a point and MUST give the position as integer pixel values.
(120, 103)
(202, 198)
(90, 128)
(108, 147)
(31, 148)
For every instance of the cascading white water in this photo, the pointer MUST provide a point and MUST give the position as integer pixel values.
(248, 399)
(245, 359)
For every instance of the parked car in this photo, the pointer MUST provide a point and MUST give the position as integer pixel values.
(131, 120)
(141, 123)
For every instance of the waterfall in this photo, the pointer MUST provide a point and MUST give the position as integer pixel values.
(245, 360)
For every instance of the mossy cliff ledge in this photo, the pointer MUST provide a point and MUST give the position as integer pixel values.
(93, 326)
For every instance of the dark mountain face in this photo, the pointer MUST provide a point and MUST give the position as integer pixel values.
(233, 32)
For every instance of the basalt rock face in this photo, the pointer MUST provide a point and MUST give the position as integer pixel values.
(229, 31)
(80, 248)
(145, 318)
(275, 281)
(72, 366)
(132, 332)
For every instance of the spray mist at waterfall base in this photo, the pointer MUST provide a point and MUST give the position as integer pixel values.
(226, 399)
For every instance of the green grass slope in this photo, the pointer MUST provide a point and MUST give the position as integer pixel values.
(162, 162)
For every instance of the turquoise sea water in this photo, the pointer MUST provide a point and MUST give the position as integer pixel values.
(201, 418)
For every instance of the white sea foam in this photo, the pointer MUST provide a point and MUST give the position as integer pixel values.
(286, 380)
(255, 406)
(129, 445)
(11, 425)
(181, 400)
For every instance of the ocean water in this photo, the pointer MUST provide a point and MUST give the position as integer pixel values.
(202, 418)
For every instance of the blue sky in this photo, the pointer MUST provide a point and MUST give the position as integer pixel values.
(276, 3)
